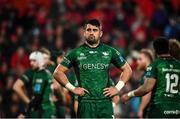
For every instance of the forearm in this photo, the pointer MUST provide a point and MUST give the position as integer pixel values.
(22, 95)
(144, 89)
(138, 92)
(19, 90)
(60, 77)
(126, 74)
(145, 101)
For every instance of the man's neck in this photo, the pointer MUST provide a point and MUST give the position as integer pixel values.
(93, 45)
(40, 68)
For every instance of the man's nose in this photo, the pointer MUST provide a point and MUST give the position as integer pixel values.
(91, 32)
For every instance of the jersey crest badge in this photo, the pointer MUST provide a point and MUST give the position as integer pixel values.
(105, 53)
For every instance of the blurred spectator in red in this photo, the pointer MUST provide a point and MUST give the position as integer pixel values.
(147, 7)
(175, 5)
(20, 60)
(41, 16)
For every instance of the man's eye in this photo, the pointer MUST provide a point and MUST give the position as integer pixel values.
(88, 29)
(95, 30)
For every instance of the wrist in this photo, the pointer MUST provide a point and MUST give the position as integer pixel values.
(131, 94)
(69, 86)
(120, 85)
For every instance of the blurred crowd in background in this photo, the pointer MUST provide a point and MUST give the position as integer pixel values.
(128, 25)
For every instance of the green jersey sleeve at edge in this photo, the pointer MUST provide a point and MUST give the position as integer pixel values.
(27, 76)
(68, 59)
(117, 59)
(151, 71)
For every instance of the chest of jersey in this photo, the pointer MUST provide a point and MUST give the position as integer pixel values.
(93, 60)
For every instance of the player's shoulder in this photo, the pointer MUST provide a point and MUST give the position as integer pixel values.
(47, 72)
(108, 47)
(29, 72)
(153, 64)
(157, 60)
(176, 60)
(75, 50)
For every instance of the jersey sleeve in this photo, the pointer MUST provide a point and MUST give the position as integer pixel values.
(27, 76)
(151, 71)
(110, 83)
(68, 59)
(117, 59)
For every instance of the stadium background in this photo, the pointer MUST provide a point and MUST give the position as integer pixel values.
(129, 25)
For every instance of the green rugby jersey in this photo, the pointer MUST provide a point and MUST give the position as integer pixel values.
(91, 66)
(42, 81)
(27, 76)
(166, 71)
(51, 68)
(27, 79)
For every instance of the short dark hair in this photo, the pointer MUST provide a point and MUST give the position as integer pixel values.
(93, 22)
(148, 53)
(161, 45)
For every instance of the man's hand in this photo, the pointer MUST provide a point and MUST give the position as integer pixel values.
(80, 91)
(110, 92)
(125, 98)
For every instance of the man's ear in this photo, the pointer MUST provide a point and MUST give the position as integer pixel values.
(101, 33)
(84, 32)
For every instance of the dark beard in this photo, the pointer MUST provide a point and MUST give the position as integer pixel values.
(91, 41)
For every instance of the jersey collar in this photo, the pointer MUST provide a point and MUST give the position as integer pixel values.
(92, 47)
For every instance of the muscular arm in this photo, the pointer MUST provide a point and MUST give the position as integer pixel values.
(18, 88)
(145, 101)
(125, 76)
(60, 76)
(126, 72)
(146, 87)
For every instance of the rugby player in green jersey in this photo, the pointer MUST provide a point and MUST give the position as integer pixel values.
(23, 87)
(58, 91)
(41, 101)
(91, 63)
(162, 78)
(144, 59)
